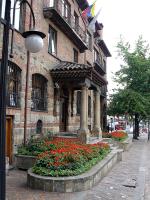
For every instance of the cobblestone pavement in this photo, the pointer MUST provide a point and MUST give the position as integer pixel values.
(127, 180)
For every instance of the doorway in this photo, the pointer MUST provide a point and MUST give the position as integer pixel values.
(64, 98)
(9, 127)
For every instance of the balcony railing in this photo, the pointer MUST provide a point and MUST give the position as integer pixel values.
(60, 13)
(99, 66)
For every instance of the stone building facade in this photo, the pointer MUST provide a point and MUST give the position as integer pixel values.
(63, 87)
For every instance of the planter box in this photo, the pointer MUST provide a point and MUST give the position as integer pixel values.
(126, 144)
(78, 183)
(24, 162)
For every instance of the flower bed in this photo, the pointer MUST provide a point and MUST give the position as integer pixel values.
(61, 156)
(116, 135)
(67, 157)
(119, 135)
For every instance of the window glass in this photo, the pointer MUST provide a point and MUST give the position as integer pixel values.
(52, 47)
(13, 85)
(51, 3)
(76, 22)
(89, 40)
(89, 106)
(19, 15)
(39, 93)
(75, 55)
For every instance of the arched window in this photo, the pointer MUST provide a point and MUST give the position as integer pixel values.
(78, 102)
(13, 85)
(39, 93)
(39, 126)
(89, 106)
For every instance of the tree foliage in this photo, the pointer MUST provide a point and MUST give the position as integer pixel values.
(133, 97)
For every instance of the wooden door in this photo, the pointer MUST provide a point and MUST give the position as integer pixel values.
(9, 138)
(63, 114)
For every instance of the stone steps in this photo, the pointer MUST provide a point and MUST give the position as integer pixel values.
(66, 135)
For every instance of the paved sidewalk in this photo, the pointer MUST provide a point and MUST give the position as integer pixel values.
(129, 179)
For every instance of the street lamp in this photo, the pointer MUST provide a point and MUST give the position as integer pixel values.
(33, 43)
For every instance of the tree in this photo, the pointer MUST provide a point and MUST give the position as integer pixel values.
(133, 96)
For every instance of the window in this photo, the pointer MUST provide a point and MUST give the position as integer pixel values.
(89, 106)
(52, 47)
(19, 23)
(75, 55)
(39, 127)
(78, 102)
(96, 55)
(39, 93)
(89, 40)
(51, 3)
(66, 11)
(13, 85)
(104, 64)
(76, 22)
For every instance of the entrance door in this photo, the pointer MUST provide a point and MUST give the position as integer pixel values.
(9, 138)
(63, 111)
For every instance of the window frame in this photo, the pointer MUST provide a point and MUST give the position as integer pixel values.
(52, 30)
(39, 89)
(89, 40)
(76, 22)
(75, 55)
(96, 55)
(13, 85)
(20, 15)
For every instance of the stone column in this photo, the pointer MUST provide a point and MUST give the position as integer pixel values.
(97, 127)
(69, 110)
(84, 132)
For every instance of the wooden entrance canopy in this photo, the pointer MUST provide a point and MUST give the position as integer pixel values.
(74, 73)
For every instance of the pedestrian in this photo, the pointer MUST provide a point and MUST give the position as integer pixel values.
(148, 135)
(108, 128)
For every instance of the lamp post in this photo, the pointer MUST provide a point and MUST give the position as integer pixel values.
(33, 43)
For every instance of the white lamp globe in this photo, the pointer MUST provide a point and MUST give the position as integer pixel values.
(33, 43)
(33, 40)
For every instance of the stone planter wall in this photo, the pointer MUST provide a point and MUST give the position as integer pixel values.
(24, 162)
(78, 183)
(126, 144)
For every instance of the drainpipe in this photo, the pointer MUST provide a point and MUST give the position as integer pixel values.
(26, 89)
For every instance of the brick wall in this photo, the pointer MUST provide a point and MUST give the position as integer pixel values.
(41, 63)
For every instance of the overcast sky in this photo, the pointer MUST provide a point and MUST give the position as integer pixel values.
(129, 18)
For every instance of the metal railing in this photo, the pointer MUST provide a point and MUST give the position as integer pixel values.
(64, 10)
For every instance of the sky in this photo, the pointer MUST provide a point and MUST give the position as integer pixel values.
(129, 18)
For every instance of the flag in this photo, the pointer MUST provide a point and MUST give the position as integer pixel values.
(89, 11)
(91, 25)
